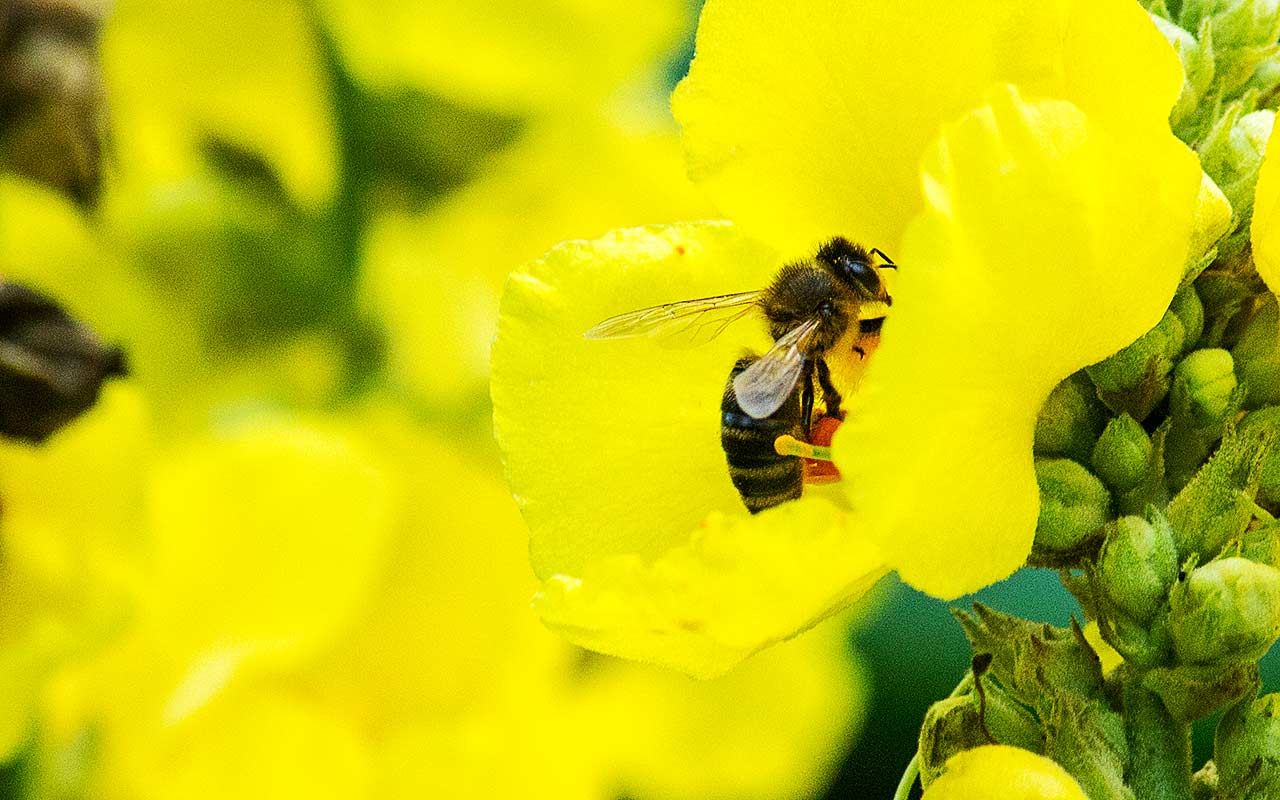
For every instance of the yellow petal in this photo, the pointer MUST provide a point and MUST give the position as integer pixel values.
(613, 451)
(1009, 773)
(506, 54)
(1265, 230)
(807, 119)
(1049, 241)
(460, 570)
(245, 70)
(265, 544)
(778, 726)
(71, 539)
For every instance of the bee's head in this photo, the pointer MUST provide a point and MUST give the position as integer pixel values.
(852, 264)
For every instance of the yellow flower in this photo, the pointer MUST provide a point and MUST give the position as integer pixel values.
(1017, 163)
(247, 71)
(338, 607)
(1010, 773)
(512, 56)
(70, 533)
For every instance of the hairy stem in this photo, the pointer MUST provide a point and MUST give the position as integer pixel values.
(1159, 746)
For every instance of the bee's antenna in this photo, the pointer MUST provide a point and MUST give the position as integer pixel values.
(787, 445)
(888, 262)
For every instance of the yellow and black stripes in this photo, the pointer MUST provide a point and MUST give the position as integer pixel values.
(761, 476)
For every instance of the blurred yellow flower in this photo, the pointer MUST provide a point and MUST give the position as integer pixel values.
(434, 280)
(350, 620)
(70, 532)
(1031, 148)
(246, 71)
(518, 57)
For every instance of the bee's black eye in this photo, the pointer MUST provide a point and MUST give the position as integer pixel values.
(852, 263)
(864, 275)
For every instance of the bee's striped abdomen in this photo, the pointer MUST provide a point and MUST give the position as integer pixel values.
(762, 477)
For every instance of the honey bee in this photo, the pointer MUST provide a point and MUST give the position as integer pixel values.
(814, 308)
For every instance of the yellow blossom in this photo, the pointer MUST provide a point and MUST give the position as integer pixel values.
(1017, 163)
(1010, 773)
(512, 56)
(391, 653)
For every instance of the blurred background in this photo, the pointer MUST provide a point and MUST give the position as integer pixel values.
(278, 559)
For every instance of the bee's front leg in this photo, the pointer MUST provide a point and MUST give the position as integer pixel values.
(830, 395)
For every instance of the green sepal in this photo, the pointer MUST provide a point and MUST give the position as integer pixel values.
(1191, 692)
(1229, 299)
(1246, 749)
(1266, 419)
(1070, 420)
(1257, 355)
(956, 724)
(1216, 505)
(1088, 739)
(1034, 661)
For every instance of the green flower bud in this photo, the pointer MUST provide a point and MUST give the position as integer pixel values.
(1190, 311)
(1246, 749)
(1257, 355)
(1136, 379)
(1226, 611)
(1122, 454)
(1138, 564)
(1070, 420)
(1269, 481)
(1074, 505)
(1207, 380)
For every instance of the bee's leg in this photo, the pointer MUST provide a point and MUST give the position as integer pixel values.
(806, 394)
(888, 262)
(830, 395)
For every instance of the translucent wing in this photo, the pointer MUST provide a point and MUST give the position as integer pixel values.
(695, 321)
(764, 386)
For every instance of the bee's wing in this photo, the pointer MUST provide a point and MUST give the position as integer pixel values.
(764, 386)
(695, 321)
